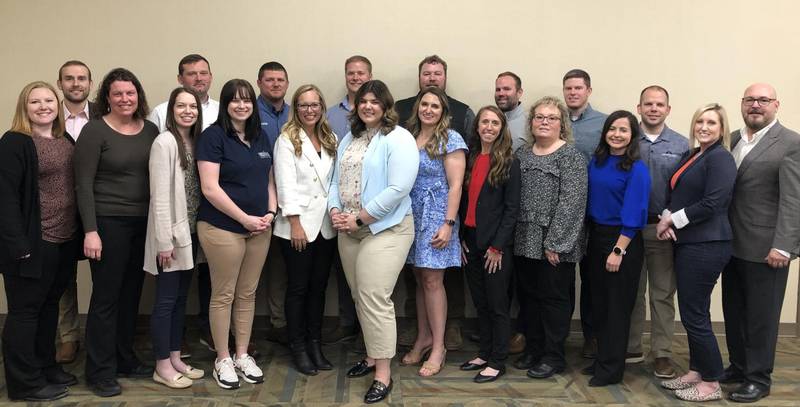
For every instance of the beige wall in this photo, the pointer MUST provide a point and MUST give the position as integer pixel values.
(701, 51)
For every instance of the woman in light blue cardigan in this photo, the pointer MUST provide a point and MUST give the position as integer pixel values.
(371, 209)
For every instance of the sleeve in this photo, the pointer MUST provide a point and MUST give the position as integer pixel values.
(720, 177)
(13, 168)
(286, 177)
(505, 232)
(402, 166)
(158, 117)
(565, 226)
(209, 147)
(787, 229)
(85, 160)
(455, 142)
(161, 168)
(635, 201)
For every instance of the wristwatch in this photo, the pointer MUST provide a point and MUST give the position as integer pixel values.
(359, 222)
(619, 251)
(450, 222)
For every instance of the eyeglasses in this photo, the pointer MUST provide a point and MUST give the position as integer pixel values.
(309, 106)
(749, 101)
(541, 118)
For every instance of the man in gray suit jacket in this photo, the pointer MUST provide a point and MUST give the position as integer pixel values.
(765, 218)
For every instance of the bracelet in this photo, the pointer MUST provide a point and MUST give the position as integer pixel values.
(272, 212)
(495, 251)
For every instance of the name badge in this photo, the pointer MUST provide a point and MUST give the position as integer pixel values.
(263, 154)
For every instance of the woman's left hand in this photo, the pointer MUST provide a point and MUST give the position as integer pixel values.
(552, 257)
(165, 258)
(442, 237)
(493, 260)
(612, 262)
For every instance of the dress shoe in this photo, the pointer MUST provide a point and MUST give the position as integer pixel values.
(302, 362)
(748, 393)
(407, 337)
(543, 371)
(693, 394)
(178, 381)
(106, 388)
(469, 366)
(49, 392)
(588, 370)
(277, 335)
(589, 349)
(452, 337)
(474, 337)
(315, 353)
(730, 376)
(634, 357)
(378, 391)
(194, 373)
(516, 344)
(60, 377)
(526, 361)
(67, 351)
(360, 369)
(139, 371)
(662, 368)
(340, 334)
(480, 378)
(677, 384)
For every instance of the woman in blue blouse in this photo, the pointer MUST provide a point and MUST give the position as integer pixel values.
(619, 187)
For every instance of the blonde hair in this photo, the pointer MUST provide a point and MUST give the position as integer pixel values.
(565, 132)
(22, 122)
(725, 129)
(327, 139)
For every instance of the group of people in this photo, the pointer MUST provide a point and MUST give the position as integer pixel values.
(513, 198)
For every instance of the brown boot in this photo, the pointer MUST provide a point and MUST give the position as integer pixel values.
(516, 344)
(67, 351)
(452, 337)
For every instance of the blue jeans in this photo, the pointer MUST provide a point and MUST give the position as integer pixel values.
(697, 268)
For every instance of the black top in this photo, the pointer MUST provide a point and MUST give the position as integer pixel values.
(496, 211)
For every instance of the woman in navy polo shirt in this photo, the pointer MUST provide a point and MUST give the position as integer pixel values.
(234, 159)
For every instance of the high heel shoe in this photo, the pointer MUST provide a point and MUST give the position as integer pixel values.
(414, 358)
(315, 353)
(433, 368)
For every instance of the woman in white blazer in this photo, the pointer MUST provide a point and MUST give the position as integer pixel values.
(171, 235)
(304, 157)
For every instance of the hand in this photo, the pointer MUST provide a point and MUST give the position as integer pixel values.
(268, 219)
(464, 252)
(667, 235)
(612, 262)
(493, 259)
(255, 223)
(664, 231)
(552, 257)
(338, 219)
(776, 260)
(298, 236)
(165, 258)
(442, 237)
(92, 246)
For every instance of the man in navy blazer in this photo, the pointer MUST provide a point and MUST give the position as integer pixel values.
(765, 218)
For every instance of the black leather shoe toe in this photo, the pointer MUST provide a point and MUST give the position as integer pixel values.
(479, 378)
(469, 366)
(525, 362)
(542, 371)
(360, 369)
(378, 391)
(749, 393)
(60, 377)
(106, 388)
(49, 392)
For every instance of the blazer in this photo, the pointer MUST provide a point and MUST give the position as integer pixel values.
(167, 220)
(703, 191)
(302, 185)
(387, 175)
(765, 210)
(496, 211)
(20, 230)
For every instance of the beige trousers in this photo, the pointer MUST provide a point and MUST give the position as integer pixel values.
(68, 323)
(371, 265)
(235, 262)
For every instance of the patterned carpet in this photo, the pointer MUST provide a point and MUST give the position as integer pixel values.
(284, 386)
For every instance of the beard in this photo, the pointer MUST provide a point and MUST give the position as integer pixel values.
(68, 96)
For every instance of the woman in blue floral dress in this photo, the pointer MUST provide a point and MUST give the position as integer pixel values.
(434, 201)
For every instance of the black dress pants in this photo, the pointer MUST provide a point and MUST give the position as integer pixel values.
(116, 288)
(613, 297)
(490, 297)
(30, 328)
(752, 298)
(546, 289)
(586, 299)
(307, 278)
(347, 308)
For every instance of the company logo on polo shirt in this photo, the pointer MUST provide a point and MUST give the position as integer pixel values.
(263, 154)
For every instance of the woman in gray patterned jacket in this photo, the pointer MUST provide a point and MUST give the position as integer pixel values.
(549, 233)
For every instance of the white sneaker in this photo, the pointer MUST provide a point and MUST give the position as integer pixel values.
(225, 374)
(246, 367)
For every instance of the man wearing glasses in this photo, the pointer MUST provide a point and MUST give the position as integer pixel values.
(765, 218)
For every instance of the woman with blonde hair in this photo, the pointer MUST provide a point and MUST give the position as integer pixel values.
(40, 239)
(305, 153)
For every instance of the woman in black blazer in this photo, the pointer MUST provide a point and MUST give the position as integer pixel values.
(696, 218)
(39, 242)
(488, 212)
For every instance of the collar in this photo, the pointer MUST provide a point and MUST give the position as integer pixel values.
(515, 112)
(757, 135)
(666, 135)
(67, 114)
(345, 104)
(583, 114)
(269, 107)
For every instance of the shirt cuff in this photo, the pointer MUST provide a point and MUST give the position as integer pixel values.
(679, 219)
(783, 252)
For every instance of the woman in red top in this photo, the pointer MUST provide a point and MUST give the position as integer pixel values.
(488, 209)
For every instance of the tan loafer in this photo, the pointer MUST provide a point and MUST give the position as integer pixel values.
(194, 374)
(179, 381)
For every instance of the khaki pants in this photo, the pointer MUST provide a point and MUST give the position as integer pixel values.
(235, 262)
(68, 323)
(371, 265)
(659, 273)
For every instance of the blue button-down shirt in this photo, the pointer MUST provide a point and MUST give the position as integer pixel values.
(661, 157)
(272, 120)
(339, 118)
(586, 131)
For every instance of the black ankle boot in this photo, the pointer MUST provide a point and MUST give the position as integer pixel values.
(302, 362)
(315, 353)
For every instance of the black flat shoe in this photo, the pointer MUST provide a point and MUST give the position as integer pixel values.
(588, 370)
(525, 362)
(303, 363)
(469, 366)
(360, 369)
(49, 392)
(378, 391)
(140, 372)
(748, 393)
(315, 353)
(542, 371)
(60, 377)
(106, 388)
(479, 378)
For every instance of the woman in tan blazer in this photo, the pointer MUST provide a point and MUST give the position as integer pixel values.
(304, 155)
(171, 234)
